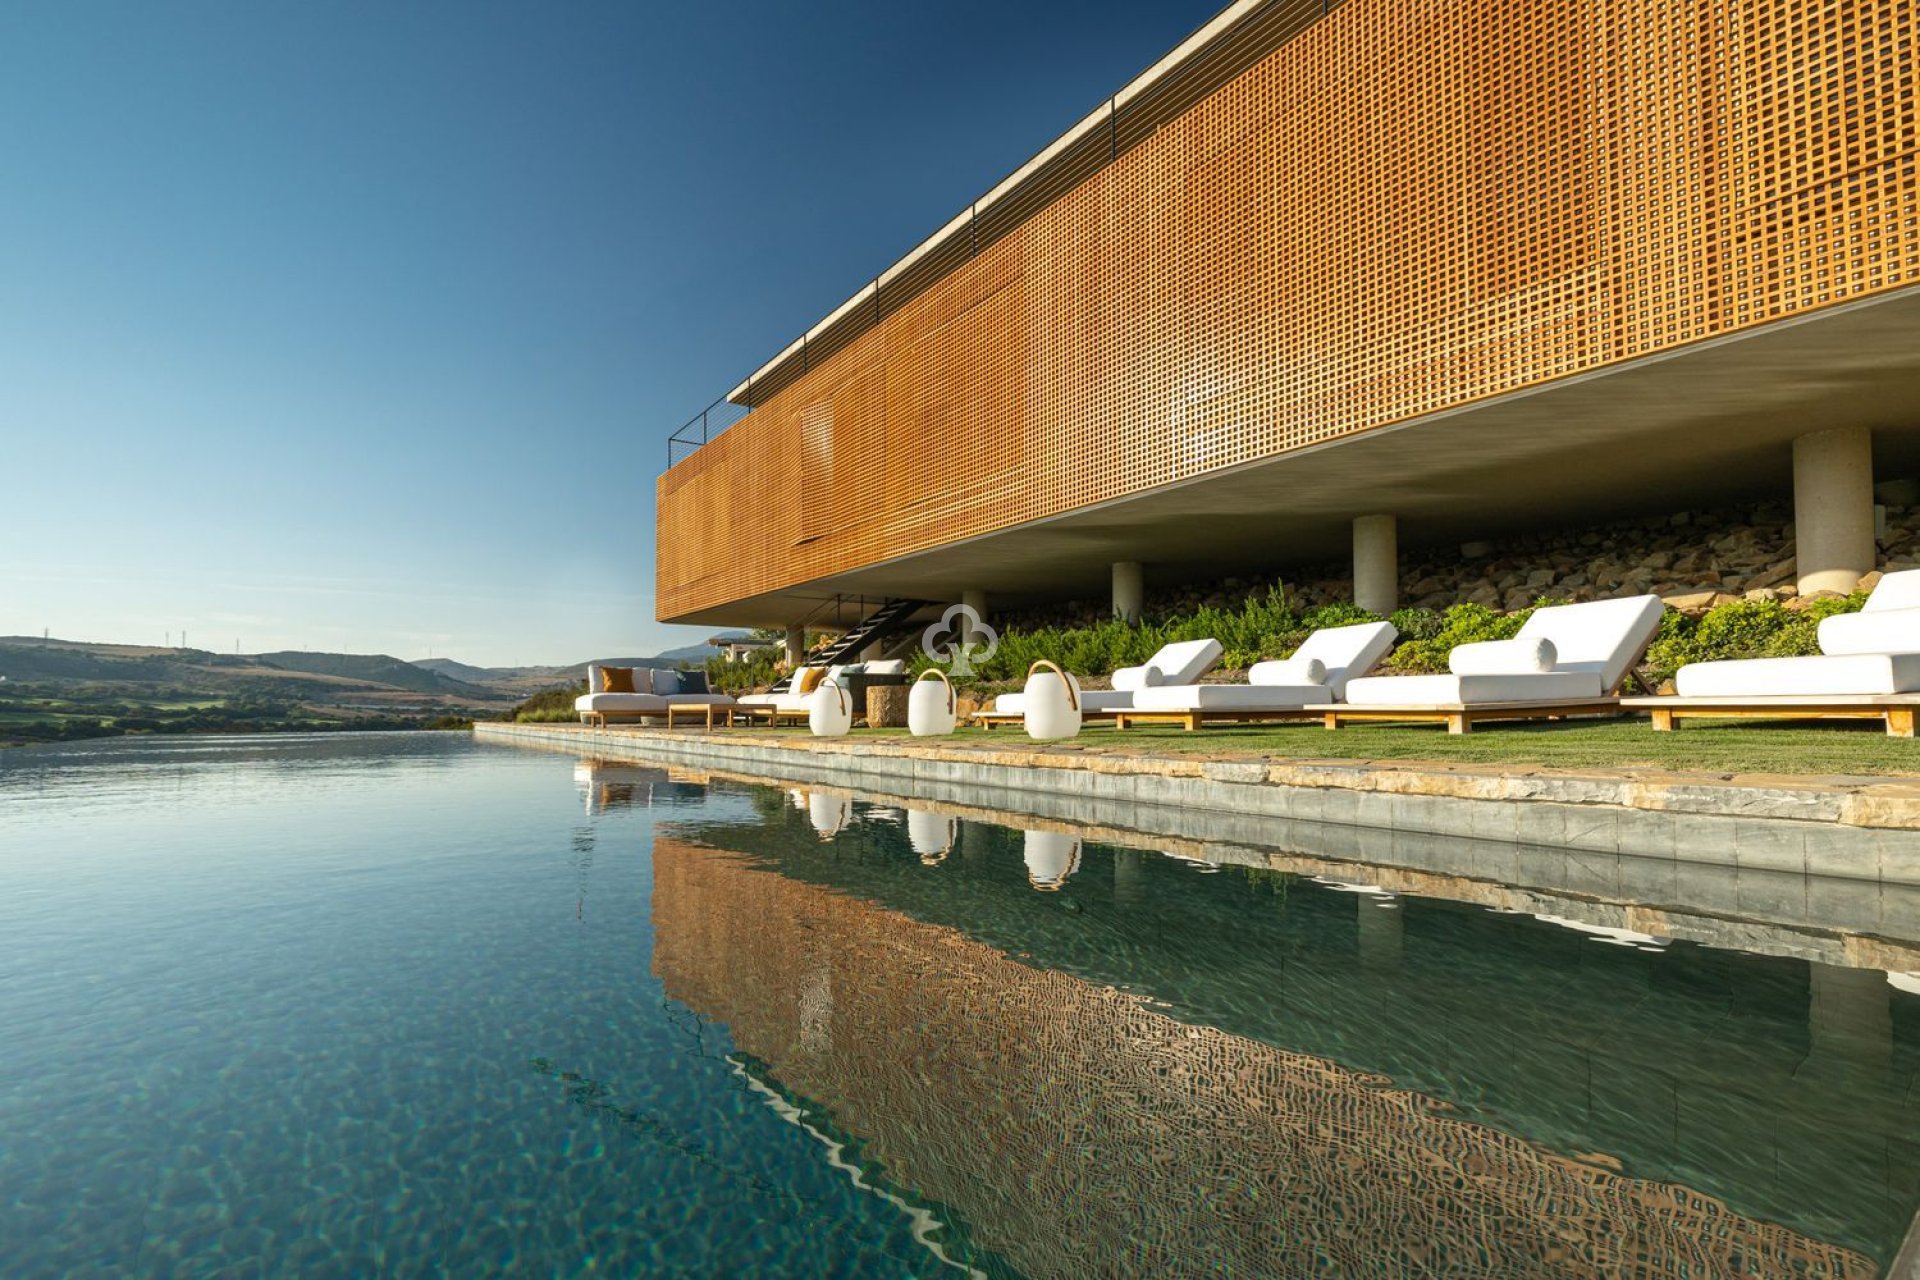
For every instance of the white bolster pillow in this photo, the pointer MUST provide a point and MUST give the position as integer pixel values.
(1134, 677)
(1875, 631)
(1288, 671)
(1502, 657)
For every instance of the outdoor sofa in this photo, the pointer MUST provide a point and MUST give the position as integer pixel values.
(650, 692)
(1868, 667)
(1174, 664)
(1567, 660)
(1318, 672)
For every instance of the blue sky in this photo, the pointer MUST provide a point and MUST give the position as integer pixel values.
(362, 326)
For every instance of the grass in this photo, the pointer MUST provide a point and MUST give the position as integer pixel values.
(1836, 747)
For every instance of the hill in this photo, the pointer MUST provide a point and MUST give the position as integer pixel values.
(138, 671)
(373, 668)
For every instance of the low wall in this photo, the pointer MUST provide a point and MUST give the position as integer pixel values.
(1780, 831)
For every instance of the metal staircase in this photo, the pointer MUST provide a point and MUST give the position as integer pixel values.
(889, 620)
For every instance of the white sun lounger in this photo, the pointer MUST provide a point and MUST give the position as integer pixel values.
(1868, 667)
(1182, 663)
(1567, 660)
(1318, 672)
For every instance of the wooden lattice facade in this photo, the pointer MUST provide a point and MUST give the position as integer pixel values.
(1407, 206)
(1080, 1132)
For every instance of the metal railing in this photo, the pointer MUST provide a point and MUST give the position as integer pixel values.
(703, 427)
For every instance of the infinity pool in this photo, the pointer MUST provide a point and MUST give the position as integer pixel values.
(405, 1005)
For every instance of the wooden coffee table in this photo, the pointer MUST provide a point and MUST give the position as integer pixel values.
(704, 709)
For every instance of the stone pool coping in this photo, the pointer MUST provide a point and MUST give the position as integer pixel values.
(1861, 801)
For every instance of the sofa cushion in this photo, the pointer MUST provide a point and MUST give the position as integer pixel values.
(693, 682)
(620, 702)
(616, 680)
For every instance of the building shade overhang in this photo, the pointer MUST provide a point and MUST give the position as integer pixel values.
(1686, 429)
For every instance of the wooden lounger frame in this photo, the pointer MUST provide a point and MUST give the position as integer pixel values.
(1460, 717)
(988, 719)
(1192, 720)
(1897, 710)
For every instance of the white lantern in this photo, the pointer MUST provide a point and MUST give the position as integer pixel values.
(829, 814)
(1052, 703)
(1052, 856)
(829, 713)
(931, 835)
(930, 706)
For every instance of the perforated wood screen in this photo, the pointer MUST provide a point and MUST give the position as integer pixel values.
(1081, 1132)
(1411, 205)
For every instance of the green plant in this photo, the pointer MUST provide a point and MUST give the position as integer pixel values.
(1462, 624)
(1743, 629)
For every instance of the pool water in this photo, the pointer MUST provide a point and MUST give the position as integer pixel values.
(406, 1005)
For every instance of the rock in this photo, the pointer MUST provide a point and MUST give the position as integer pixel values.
(1692, 601)
(1869, 581)
(1761, 593)
(1538, 578)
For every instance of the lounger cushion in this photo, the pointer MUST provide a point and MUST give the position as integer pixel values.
(1871, 631)
(1896, 591)
(1600, 637)
(1420, 691)
(1230, 697)
(1181, 663)
(891, 667)
(1015, 704)
(1863, 673)
(1346, 652)
(1502, 657)
(1288, 671)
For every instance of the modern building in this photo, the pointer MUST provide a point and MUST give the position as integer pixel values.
(1334, 277)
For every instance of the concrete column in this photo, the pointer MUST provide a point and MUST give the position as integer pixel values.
(1129, 591)
(1833, 509)
(1849, 1017)
(975, 600)
(796, 646)
(1376, 564)
(873, 652)
(1381, 929)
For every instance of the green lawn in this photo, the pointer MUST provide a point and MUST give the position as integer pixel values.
(1834, 747)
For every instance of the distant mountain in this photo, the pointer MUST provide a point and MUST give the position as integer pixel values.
(374, 668)
(459, 670)
(321, 678)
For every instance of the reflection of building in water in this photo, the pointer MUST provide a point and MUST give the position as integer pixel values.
(1082, 1133)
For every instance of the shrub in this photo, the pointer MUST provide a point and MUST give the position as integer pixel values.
(548, 706)
(1462, 624)
(1744, 629)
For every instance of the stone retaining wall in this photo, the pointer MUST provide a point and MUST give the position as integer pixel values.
(1867, 830)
